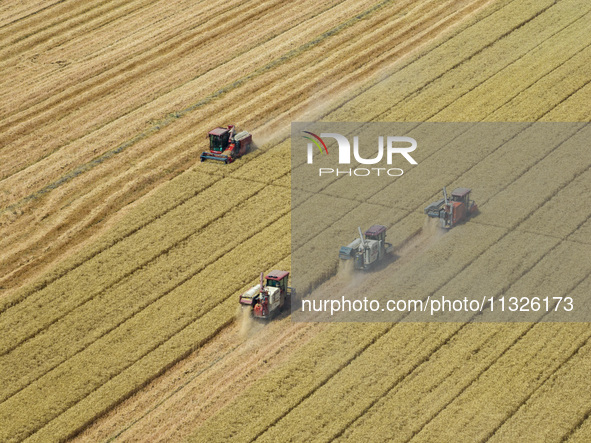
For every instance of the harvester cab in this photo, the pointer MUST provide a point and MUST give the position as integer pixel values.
(454, 210)
(225, 145)
(367, 249)
(267, 298)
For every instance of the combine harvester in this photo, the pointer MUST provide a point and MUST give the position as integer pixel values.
(368, 250)
(226, 146)
(452, 212)
(266, 300)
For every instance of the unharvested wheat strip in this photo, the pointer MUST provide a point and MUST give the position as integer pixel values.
(82, 374)
(497, 272)
(416, 272)
(556, 217)
(569, 266)
(539, 62)
(424, 394)
(581, 433)
(358, 383)
(522, 368)
(414, 77)
(107, 268)
(471, 352)
(487, 63)
(275, 164)
(563, 399)
(577, 107)
(540, 182)
(154, 280)
(549, 93)
(429, 385)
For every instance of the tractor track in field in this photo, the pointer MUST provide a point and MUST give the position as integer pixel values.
(26, 15)
(93, 205)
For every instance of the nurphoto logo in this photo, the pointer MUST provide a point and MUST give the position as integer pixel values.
(394, 145)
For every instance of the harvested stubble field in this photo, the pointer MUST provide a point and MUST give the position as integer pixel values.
(122, 256)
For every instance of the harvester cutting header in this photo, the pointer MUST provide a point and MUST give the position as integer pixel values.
(367, 250)
(226, 146)
(266, 300)
(451, 212)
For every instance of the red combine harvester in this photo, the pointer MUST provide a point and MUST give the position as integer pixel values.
(226, 146)
(451, 212)
(266, 300)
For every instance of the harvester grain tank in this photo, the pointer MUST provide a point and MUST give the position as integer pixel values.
(267, 298)
(226, 145)
(451, 212)
(368, 248)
